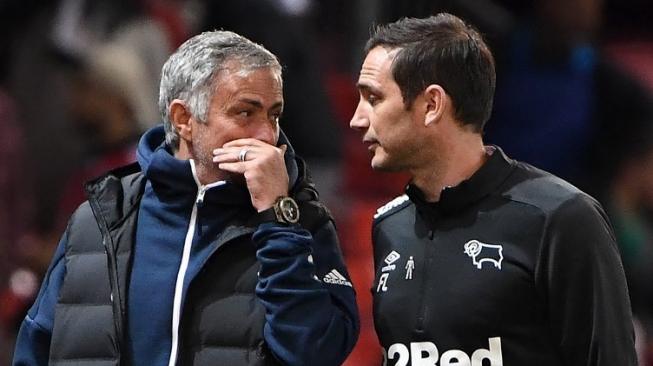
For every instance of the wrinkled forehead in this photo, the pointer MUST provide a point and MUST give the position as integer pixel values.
(247, 71)
(377, 65)
(262, 85)
(244, 69)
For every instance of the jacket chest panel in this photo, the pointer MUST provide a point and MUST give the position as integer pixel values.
(221, 307)
(444, 284)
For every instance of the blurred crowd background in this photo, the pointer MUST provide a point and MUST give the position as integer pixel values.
(79, 83)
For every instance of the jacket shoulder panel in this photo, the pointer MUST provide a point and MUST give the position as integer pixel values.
(534, 187)
(83, 232)
(116, 195)
(392, 207)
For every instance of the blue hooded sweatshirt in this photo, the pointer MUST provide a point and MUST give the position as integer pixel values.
(311, 315)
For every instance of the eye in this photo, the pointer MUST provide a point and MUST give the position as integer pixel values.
(245, 113)
(275, 117)
(373, 99)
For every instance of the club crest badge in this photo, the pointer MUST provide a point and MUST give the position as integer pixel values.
(484, 253)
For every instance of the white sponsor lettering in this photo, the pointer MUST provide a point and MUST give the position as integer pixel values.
(427, 354)
(390, 205)
(493, 354)
(423, 354)
(455, 357)
(400, 350)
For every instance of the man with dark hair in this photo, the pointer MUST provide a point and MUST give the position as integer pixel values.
(484, 260)
(213, 249)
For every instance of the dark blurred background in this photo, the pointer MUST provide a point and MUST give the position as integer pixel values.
(79, 83)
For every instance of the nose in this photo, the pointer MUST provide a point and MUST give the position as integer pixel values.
(359, 121)
(267, 132)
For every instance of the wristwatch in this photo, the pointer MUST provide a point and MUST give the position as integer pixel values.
(285, 210)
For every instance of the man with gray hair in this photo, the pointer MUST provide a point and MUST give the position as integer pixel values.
(212, 249)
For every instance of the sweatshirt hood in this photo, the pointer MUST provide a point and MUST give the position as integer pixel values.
(159, 164)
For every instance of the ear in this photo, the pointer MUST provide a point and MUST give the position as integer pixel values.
(181, 119)
(435, 98)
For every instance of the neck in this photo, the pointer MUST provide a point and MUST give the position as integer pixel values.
(450, 165)
(206, 172)
(207, 175)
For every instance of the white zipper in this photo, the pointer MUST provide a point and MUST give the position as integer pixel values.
(185, 258)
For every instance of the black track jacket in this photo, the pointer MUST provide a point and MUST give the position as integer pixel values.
(512, 267)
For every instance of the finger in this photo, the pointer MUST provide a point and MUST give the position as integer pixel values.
(233, 167)
(233, 155)
(228, 151)
(284, 148)
(235, 151)
(229, 158)
(245, 142)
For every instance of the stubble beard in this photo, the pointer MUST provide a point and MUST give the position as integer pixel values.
(388, 165)
(395, 162)
(203, 156)
(207, 170)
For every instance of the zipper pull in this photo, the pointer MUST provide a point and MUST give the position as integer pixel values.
(200, 196)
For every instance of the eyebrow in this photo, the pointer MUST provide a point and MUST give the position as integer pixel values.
(368, 88)
(259, 105)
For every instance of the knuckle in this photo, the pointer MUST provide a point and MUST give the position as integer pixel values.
(252, 174)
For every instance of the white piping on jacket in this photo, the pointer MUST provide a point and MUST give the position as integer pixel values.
(185, 258)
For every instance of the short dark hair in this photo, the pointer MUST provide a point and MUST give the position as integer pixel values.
(443, 50)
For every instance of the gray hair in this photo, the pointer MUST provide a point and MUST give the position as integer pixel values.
(189, 73)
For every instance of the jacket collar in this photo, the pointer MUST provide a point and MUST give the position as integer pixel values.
(483, 182)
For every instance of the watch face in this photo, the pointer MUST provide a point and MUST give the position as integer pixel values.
(289, 210)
